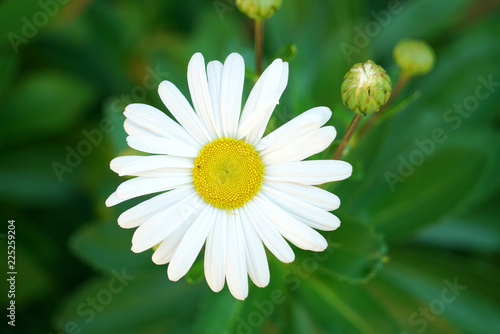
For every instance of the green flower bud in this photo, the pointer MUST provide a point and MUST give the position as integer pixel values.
(366, 88)
(258, 9)
(414, 57)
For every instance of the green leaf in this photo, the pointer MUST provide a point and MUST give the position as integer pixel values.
(9, 67)
(432, 190)
(130, 303)
(420, 289)
(404, 19)
(43, 104)
(28, 175)
(355, 253)
(263, 311)
(286, 52)
(21, 21)
(29, 266)
(428, 289)
(474, 230)
(340, 307)
(302, 320)
(105, 246)
(218, 313)
(422, 183)
(393, 111)
(427, 192)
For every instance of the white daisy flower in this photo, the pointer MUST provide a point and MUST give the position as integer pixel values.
(223, 184)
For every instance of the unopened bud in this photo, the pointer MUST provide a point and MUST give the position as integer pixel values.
(366, 88)
(414, 57)
(258, 9)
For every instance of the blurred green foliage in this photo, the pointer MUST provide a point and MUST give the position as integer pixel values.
(418, 249)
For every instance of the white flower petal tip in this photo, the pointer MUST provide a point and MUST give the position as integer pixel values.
(136, 249)
(262, 100)
(236, 269)
(320, 245)
(236, 57)
(180, 108)
(240, 295)
(300, 129)
(344, 169)
(233, 77)
(112, 200)
(182, 219)
(325, 113)
(310, 172)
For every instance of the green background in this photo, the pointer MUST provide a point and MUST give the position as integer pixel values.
(418, 249)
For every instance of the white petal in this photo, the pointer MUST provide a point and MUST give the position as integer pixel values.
(310, 172)
(236, 270)
(283, 79)
(257, 266)
(303, 147)
(162, 172)
(142, 185)
(182, 111)
(310, 214)
(307, 121)
(311, 195)
(215, 253)
(191, 243)
(263, 98)
(295, 231)
(158, 145)
(233, 76)
(129, 165)
(157, 122)
(138, 214)
(268, 233)
(164, 223)
(134, 129)
(214, 73)
(113, 199)
(164, 253)
(200, 93)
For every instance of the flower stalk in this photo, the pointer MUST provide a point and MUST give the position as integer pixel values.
(347, 135)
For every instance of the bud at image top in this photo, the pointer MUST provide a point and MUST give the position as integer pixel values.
(414, 57)
(258, 9)
(366, 88)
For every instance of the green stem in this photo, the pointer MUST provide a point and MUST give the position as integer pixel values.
(347, 135)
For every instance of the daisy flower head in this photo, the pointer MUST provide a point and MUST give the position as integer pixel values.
(221, 183)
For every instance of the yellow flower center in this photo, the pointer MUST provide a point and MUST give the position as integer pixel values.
(227, 173)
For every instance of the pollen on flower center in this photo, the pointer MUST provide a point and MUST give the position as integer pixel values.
(227, 173)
